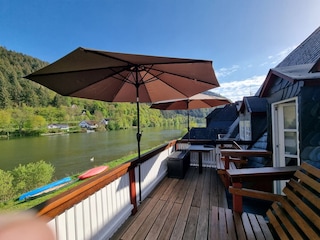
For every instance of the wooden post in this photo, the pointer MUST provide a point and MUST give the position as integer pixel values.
(237, 199)
(133, 192)
(226, 167)
(200, 161)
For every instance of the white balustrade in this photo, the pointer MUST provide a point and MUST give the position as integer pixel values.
(102, 213)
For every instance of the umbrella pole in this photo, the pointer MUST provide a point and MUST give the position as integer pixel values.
(188, 125)
(138, 140)
(138, 134)
(188, 120)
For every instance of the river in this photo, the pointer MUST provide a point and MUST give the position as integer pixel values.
(72, 153)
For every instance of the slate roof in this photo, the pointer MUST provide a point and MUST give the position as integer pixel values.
(227, 113)
(254, 104)
(204, 133)
(297, 72)
(218, 122)
(302, 64)
(307, 52)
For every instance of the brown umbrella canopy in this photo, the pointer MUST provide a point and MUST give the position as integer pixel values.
(194, 102)
(120, 77)
(199, 100)
(115, 77)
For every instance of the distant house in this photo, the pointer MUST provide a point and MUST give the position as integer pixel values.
(222, 118)
(90, 125)
(64, 127)
(252, 118)
(105, 121)
(217, 122)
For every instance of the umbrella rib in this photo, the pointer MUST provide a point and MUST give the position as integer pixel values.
(130, 64)
(74, 71)
(106, 55)
(178, 75)
(173, 60)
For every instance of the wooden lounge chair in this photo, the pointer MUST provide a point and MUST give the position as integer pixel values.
(295, 215)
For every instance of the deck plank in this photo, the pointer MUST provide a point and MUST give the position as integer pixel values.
(170, 222)
(160, 221)
(169, 190)
(204, 210)
(185, 185)
(149, 221)
(184, 212)
(231, 225)
(191, 226)
(178, 209)
(196, 201)
(255, 226)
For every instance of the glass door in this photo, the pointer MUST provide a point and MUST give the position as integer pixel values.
(285, 136)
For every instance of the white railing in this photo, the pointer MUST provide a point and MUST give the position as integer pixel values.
(152, 172)
(98, 207)
(99, 215)
(208, 158)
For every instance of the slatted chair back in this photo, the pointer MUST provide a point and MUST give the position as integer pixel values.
(297, 215)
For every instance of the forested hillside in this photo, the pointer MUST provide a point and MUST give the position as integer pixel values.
(25, 105)
(14, 90)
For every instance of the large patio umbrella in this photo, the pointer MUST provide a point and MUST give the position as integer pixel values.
(197, 101)
(120, 77)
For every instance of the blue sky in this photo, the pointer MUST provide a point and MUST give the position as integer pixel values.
(244, 39)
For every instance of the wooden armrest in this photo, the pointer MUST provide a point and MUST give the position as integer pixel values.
(256, 194)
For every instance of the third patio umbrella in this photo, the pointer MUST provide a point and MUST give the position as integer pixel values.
(199, 100)
(120, 77)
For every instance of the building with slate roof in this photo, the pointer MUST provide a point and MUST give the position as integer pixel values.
(217, 122)
(292, 118)
(252, 118)
(293, 91)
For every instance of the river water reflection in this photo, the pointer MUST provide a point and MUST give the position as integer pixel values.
(71, 153)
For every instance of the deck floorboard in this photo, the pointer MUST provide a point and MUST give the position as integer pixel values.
(177, 208)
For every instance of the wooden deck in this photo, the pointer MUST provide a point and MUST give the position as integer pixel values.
(177, 209)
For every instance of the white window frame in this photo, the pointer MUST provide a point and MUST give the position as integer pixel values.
(278, 131)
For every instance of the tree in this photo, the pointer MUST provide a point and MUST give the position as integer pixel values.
(5, 120)
(5, 101)
(6, 187)
(32, 175)
(36, 122)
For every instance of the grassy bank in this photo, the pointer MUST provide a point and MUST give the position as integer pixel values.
(13, 205)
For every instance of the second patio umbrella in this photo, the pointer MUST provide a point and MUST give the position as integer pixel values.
(120, 77)
(200, 100)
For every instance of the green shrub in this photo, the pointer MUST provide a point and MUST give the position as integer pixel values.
(32, 175)
(6, 188)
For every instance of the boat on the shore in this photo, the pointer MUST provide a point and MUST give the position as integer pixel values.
(45, 189)
(92, 172)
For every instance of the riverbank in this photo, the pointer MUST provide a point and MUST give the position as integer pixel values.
(71, 153)
(13, 205)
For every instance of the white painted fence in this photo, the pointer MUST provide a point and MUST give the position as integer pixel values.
(208, 158)
(102, 213)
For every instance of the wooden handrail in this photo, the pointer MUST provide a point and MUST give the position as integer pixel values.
(238, 176)
(65, 200)
(256, 194)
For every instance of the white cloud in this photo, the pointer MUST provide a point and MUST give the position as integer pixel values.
(236, 90)
(277, 58)
(223, 72)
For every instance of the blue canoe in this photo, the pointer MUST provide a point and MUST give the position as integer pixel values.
(45, 188)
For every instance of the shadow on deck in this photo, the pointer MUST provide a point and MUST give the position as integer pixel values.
(177, 208)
